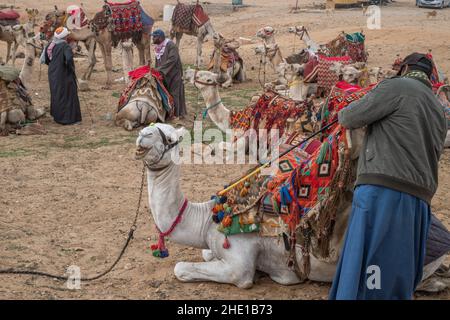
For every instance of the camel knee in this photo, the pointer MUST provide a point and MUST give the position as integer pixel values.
(183, 271)
(207, 255)
(34, 113)
(16, 116)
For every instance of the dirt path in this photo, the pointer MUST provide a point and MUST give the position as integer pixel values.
(68, 198)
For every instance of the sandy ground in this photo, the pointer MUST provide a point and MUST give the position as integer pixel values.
(68, 198)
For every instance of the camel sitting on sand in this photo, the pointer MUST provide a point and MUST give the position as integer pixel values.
(245, 253)
(226, 62)
(20, 109)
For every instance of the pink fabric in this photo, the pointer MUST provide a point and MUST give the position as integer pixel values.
(161, 48)
(347, 87)
(50, 50)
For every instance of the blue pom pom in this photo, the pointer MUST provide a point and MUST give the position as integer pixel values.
(220, 215)
(223, 199)
(164, 253)
(215, 219)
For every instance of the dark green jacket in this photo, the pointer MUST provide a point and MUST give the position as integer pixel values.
(406, 130)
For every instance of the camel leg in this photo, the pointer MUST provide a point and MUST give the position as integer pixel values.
(141, 50)
(200, 40)
(3, 130)
(107, 59)
(219, 271)
(178, 36)
(8, 51)
(90, 45)
(15, 46)
(229, 82)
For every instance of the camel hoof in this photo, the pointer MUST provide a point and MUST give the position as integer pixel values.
(83, 85)
(107, 87)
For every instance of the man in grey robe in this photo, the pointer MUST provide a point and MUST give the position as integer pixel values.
(168, 63)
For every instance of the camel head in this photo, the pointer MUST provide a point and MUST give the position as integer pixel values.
(375, 74)
(298, 30)
(32, 15)
(201, 79)
(290, 72)
(349, 73)
(265, 33)
(156, 144)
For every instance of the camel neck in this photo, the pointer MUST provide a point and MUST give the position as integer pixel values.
(166, 199)
(27, 68)
(219, 114)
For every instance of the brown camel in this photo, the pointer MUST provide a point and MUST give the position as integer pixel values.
(98, 31)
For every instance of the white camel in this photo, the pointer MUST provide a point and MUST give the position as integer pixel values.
(303, 33)
(208, 84)
(220, 65)
(269, 49)
(298, 90)
(248, 252)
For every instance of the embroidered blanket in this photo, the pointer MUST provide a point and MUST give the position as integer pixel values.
(325, 77)
(189, 17)
(228, 57)
(127, 20)
(148, 83)
(271, 111)
(345, 44)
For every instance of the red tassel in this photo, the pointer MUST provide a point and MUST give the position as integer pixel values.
(226, 244)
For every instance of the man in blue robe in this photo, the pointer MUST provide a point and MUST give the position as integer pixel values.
(384, 249)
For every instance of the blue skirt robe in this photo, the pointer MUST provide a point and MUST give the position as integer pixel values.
(384, 249)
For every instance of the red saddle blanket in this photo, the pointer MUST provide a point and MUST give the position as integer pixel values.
(127, 18)
(189, 17)
(9, 14)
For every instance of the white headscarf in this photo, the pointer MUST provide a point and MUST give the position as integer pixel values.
(62, 34)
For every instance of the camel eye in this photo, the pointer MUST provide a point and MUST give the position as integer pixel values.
(209, 81)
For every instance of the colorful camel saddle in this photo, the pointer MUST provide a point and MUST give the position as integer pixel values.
(148, 85)
(326, 78)
(228, 58)
(310, 62)
(125, 20)
(271, 111)
(300, 199)
(188, 18)
(345, 44)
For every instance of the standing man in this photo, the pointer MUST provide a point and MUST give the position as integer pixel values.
(65, 106)
(384, 249)
(168, 62)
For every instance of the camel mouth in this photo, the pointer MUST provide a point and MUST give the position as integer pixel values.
(141, 152)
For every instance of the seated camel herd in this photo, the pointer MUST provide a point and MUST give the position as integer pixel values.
(225, 67)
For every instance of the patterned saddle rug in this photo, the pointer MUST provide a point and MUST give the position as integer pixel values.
(125, 21)
(345, 44)
(326, 78)
(189, 18)
(271, 111)
(228, 57)
(148, 85)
